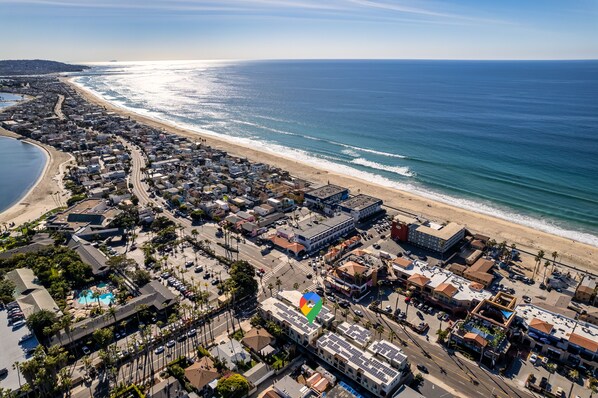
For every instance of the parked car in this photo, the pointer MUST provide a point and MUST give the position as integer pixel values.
(159, 350)
(86, 350)
(18, 324)
(3, 372)
(388, 308)
(422, 368)
(533, 358)
(359, 313)
(170, 343)
(545, 361)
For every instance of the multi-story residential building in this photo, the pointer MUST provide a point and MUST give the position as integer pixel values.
(435, 237)
(560, 337)
(391, 353)
(318, 236)
(356, 334)
(292, 298)
(326, 198)
(376, 376)
(361, 207)
(293, 323)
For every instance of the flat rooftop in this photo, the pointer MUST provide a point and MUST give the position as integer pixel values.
(389, 351)
(446, 232)
(287, 314)
(356, 332)
(326, 191)
(559, 326)
(380, 372)
(309, 230)
(360, 202)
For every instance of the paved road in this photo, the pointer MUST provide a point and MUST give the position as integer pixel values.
(451, 370)
(58, 107)
(145, 364)
(247, 249)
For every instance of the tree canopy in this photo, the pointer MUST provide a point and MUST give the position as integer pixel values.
(241, 281)
(40, 320)
(59, 269)
(42, 370)
(233, 386)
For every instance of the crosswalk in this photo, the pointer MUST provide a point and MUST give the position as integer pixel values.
(302, 267)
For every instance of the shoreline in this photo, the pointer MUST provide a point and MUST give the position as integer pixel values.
(41, 197)
(526, 238)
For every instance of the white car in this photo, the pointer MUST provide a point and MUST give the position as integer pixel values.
(170, 343)
(533, 358)
(358, 313)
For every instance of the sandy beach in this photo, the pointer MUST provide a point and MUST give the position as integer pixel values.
(48, 192)
(570, 252)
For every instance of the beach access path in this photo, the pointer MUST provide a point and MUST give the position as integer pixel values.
(570, 251)
(48, 192)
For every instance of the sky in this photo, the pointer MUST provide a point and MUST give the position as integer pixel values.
(137, 30)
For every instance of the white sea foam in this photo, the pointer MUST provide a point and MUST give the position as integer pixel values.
(390, 155)
(401, 170)
(350, 152)
(303, 156)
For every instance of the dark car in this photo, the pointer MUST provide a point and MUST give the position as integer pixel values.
(422, 368)
(420, 315)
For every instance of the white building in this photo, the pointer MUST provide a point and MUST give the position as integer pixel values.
(293, 323)
(361, 206)
(318, 236)
(376, 376)
(355, 333)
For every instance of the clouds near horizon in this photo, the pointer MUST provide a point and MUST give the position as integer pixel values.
(85, 30)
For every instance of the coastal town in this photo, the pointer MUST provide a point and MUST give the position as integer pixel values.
(173, 268)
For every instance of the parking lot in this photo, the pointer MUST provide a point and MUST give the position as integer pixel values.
(555, 380)
(13, 350)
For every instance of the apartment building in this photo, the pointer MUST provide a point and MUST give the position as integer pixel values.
(293, 323)
(376, 376)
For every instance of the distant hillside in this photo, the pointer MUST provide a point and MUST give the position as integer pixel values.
(36, 67)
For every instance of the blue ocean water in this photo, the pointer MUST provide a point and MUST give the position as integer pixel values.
(518, 140)
(21, 164)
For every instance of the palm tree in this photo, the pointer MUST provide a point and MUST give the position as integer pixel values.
(96, 296)
(380, 330)
(270, 287)
(546, 264)
(336, 307)
(379, 284)
(278, 283)
(539, 257)
(392, 335)
(554, 255)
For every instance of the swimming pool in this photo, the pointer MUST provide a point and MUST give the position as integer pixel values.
(105, 298)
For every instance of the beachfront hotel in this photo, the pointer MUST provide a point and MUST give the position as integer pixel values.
(423, 233)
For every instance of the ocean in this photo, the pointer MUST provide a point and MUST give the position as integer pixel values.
(513, 139)
(21, 164)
